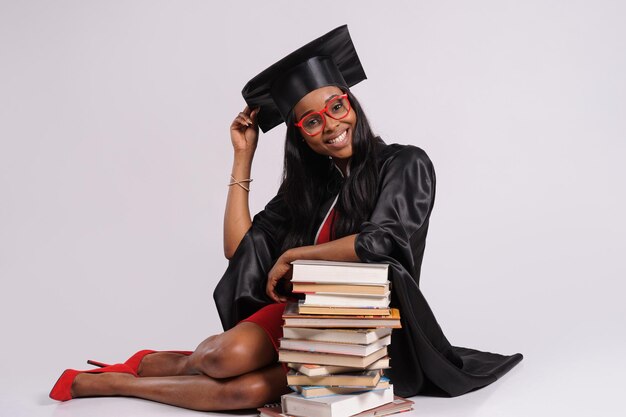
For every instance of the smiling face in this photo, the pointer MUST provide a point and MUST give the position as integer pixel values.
(335, 140)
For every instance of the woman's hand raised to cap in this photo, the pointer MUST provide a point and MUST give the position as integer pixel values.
(244, 132)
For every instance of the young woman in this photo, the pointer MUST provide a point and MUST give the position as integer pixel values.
(345, 196)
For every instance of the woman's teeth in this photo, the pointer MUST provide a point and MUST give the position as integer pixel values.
(339, 138)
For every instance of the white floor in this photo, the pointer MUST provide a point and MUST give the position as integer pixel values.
(540, 385)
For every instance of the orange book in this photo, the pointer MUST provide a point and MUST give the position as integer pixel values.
(293, 319)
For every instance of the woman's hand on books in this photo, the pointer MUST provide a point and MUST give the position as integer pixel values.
(281, 270)
(341, 249)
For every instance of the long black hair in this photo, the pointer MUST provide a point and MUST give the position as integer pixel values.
(309, 179)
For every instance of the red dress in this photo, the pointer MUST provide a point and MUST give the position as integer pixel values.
(270, 317)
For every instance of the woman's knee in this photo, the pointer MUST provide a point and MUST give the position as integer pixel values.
(209, 357)
(219, 357)
(231, 353)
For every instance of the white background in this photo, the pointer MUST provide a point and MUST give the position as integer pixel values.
(115, 154)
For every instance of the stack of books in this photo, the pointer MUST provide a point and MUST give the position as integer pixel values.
(335, 341)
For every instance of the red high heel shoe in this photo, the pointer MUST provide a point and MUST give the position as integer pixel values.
(134, 361)
(62, 389)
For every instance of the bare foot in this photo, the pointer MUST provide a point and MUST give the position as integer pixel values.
(97, 385)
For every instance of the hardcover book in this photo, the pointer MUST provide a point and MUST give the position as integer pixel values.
(339, 272)
(335, 405)
(331, 358)
(334, 347)
(345, 289)
(352, 300)
(342, 311)
(398, 405)
(312, 391)
(316, 370)
(293, 319)
(361, 379)
(357, 336)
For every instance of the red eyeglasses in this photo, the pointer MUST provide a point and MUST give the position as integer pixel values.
(337, 108)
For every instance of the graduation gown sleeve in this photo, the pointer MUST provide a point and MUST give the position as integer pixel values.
(421, 356)
(241, 291)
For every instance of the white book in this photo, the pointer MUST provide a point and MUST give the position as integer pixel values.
(339, 272)
(334, 347)
(337, 300)
(319, 358)
(357, 336)
(335, 405)
(343, 322)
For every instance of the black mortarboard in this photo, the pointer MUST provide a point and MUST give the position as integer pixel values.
(328, 60)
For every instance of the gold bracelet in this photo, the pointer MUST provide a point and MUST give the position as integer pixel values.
(239, 183)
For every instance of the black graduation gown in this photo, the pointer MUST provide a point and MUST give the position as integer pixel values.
(422, 359)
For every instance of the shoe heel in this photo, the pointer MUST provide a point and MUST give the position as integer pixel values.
(98, 364)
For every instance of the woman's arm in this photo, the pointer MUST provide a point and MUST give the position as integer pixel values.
(337, 250)
(244, 133)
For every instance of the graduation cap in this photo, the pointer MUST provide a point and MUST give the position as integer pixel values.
(328, 60)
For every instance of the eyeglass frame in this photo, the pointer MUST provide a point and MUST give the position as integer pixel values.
(325, 110)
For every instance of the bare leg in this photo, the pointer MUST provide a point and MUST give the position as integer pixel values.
(236, 369)
(242, 349)
(197, 392)
(163, 364)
